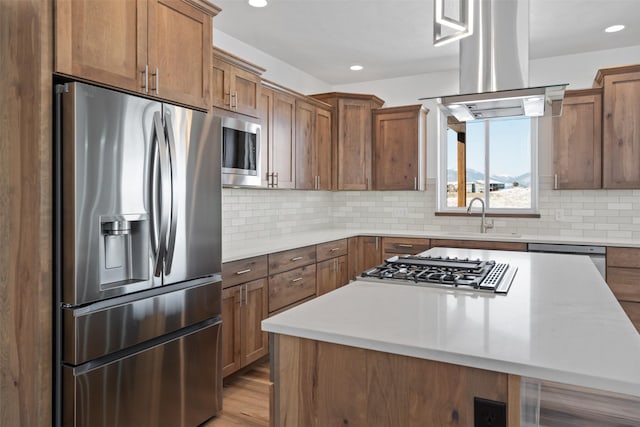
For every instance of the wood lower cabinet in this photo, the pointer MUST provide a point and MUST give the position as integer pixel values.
(623, 277)
(243, 309)
(160, 48)
(332, 267)
(392, 246)
(364, 252)
(236, 83)
(399, 148)
(291, 286)
(351, 138)
(479, 244)
(577, 141)
(620, 126)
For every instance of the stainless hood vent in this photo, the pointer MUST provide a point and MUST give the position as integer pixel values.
(494, 67)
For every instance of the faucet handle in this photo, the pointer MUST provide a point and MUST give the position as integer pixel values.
(488, 223)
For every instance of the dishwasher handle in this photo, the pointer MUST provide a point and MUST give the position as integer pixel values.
(566, 249)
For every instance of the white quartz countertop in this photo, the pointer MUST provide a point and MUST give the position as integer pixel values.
(559, 322)
(232, 251)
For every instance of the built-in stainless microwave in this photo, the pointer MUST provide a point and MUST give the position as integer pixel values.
(240, 141)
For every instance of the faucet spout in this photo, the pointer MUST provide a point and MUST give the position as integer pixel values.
(483, 224)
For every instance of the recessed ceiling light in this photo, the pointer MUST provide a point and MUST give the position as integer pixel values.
(614, 29)
(258, 3)
(356, 67)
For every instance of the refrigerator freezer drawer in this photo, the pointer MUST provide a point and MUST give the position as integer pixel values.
(175, 383)
(96, 330)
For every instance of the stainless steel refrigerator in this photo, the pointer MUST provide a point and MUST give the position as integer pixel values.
(137, 261)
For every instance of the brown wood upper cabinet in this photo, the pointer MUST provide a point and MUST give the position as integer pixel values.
(313, 145)
(577, 141)
(351, 139)
(620, 126)
(236, 83)
(160, 48)
(399, 148)
(278, 144)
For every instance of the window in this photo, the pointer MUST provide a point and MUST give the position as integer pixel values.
(495, 160)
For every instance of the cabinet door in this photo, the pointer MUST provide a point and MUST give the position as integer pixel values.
(342, 271)
(221, 84)
(266, 134)
(305, 118)
(369, 253)
(621, 131)
(179, 45)
(102, 41)
(231, 332)
(354, 144)
(325, 276)
(255, 343)
(396, 160)
(284, 148)
(245, 92)
(322, 142)
(403, 246)
(577, 141)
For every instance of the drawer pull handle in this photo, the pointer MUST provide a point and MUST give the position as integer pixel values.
(243, 271)
(296, 258)
(334, 249)
(401, 245)
(297, 279)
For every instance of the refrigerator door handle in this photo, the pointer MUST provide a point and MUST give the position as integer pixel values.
(164, 186)
(174, 197)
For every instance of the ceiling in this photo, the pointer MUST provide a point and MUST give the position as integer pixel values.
(393, 38)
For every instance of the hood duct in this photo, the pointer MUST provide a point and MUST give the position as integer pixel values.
(494, 67)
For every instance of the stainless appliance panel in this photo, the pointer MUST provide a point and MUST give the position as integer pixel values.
(240, 142)
(195, 231)
(106, 148)
(176, 383)
(96, 330)
(597, 254)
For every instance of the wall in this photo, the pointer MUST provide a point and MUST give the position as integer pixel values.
(598, 214)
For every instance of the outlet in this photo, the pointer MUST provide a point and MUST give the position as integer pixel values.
(489, 413)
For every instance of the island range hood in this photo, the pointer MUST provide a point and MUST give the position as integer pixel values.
(494, 68)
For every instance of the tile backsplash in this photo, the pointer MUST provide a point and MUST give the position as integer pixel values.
(599, 214)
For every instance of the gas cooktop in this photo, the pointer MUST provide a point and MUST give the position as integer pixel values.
(447, 272)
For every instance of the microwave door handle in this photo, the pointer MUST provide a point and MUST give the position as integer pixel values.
(164, 185)
(173, 156)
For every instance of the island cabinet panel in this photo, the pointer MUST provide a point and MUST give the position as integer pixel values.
(392, 246)
(620, 126)
(577, 141)
(323, 384)
(160, 48)
(623, 277)
(479, 244)
(291, 286)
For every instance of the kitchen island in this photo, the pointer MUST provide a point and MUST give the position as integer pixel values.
(409, 354)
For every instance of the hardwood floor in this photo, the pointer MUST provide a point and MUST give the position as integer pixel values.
(245, 400)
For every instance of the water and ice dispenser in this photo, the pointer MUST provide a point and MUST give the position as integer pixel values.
(124, 250)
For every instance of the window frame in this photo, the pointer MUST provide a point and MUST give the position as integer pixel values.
(441, 182)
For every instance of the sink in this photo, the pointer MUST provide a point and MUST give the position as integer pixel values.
(476, 234)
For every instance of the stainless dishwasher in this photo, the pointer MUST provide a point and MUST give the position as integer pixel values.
(596, 253)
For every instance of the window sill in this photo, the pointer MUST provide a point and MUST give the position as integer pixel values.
(490, 215)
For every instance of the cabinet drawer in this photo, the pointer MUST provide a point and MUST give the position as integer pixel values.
(479, 244)
(624, 282)
(403, 246)
(294, 258)
(291, 286)
(633, 311)
(623, 257)
(243, 270)
(332, 249)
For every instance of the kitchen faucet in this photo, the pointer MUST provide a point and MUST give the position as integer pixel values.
(483, 225)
